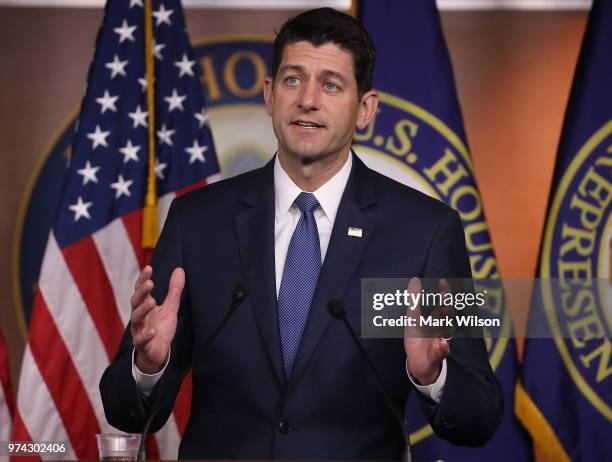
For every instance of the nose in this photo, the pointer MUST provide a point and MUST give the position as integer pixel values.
(309, 98)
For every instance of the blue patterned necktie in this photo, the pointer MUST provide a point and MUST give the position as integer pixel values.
(299, 280)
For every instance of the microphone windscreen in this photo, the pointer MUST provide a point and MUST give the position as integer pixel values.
(240, 291)
(336, 309)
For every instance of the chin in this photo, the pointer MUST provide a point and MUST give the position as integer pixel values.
(306, 152)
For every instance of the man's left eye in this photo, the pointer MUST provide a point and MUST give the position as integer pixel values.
(331, 86)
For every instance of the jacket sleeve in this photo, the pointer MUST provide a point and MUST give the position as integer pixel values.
(125, 407)
(471, 407)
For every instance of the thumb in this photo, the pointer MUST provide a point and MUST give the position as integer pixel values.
(443, 349)
(175, 288)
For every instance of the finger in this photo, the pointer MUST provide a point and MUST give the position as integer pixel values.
(446, 311)
(175, 289)
(145, 274)
(141, 311)
(414, 287)
(141, 293)
(142, 338)
(444, 286)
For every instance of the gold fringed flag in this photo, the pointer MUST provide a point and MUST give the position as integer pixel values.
(565, 397)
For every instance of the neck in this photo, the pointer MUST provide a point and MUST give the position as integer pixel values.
(310, 176)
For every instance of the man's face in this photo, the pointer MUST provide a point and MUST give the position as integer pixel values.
(313, 102)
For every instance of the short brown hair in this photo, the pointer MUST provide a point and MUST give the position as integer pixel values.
(325, 25)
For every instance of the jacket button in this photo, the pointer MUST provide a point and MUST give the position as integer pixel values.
(284, 426)
(447, 425)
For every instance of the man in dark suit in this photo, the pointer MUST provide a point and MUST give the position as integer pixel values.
(283, 379)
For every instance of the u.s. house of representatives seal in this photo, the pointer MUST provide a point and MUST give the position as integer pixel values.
(576, 250)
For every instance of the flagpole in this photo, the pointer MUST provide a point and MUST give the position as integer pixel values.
(150, 226)
(353, 9)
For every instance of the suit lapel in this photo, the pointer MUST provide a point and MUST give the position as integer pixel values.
(341, 261)
(255, 231)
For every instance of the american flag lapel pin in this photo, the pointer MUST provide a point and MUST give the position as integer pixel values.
(355, 232)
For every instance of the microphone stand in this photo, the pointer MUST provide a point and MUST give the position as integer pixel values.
(239, 293)
(337, 311)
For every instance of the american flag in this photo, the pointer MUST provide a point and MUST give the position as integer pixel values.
(94, 251)
(6, 393)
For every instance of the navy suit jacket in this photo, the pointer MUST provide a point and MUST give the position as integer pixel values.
(242, 408)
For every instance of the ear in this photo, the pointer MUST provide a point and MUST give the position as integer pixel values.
(367, 108)
(268, 91)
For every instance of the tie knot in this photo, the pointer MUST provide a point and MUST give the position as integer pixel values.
(306, 202)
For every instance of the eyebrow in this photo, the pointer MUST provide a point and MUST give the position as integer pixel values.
(291, 67)
(334, 74)
(302, 70)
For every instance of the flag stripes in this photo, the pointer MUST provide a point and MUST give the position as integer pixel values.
(88, 273)
(113, 246)
(6, 393)
(37, 417)
(67, 354)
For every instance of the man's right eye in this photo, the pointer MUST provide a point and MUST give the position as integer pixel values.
(291, 80)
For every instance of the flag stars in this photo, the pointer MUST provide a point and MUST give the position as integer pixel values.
(122, 187)
(162, 16)
(196, 152)
(81, 209)
(117, 67)
(139, 117)
(143, 84)
(157, 49)
(164, 135)
(89, 173)
(107, 102)
(136, 3)
(185, 66)
(130, 152)
(159, 169)
(175, 101)
(98, 137)
(125, 32)
(202, 117)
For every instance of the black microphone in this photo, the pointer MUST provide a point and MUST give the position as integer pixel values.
(337, 311)
(239, 294)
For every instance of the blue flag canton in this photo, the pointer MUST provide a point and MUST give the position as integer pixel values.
(107, 175)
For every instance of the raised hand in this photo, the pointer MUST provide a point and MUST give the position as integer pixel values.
(425, 352)
(153, 326)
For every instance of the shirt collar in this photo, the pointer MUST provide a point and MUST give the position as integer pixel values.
(328, 195)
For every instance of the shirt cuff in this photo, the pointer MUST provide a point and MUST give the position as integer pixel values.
(433, 391)
(146, 382)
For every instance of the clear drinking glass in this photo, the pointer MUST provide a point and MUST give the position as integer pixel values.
(118, 447)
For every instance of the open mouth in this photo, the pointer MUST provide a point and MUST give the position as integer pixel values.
(306, 124)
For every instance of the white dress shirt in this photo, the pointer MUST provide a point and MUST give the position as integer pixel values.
(287, 215)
